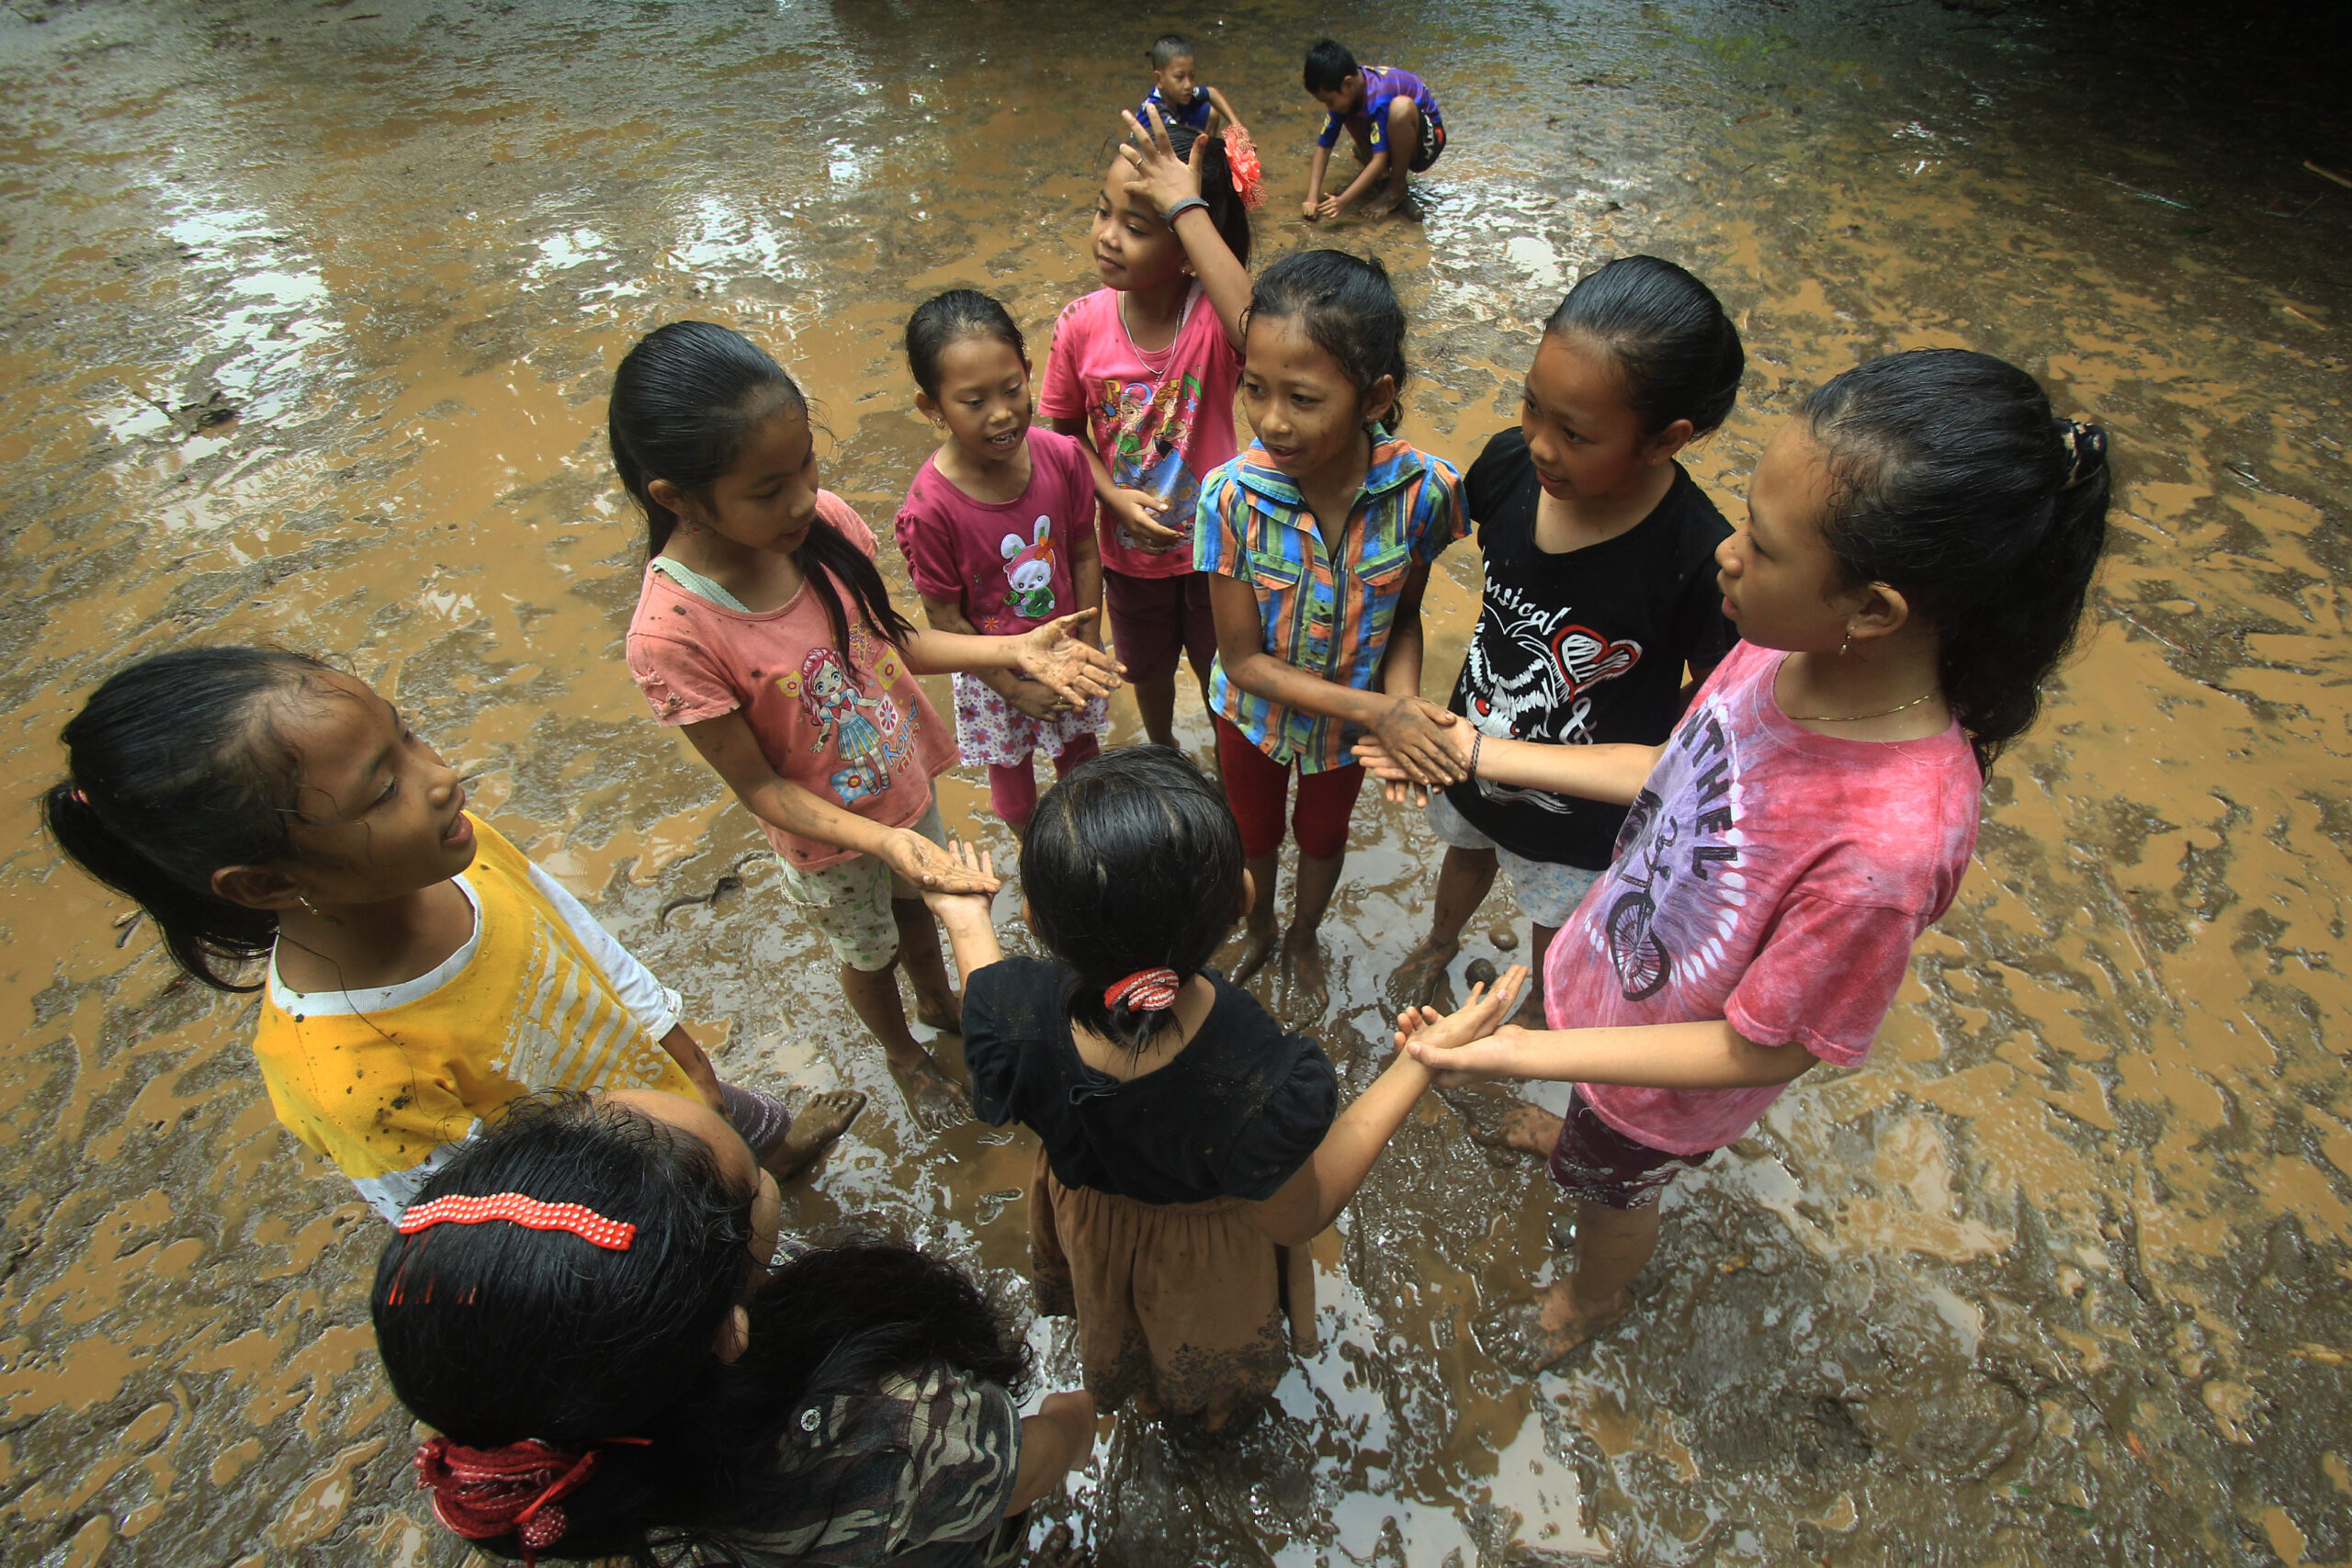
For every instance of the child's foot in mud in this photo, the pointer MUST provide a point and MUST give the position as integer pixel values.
(936, 1101)
(1531, 1130)
(1303, 961)
(1415, 980)
(816, 1122)
(1535, 1336)
(1257, 946)
(946, 1015)
(1058, 1550)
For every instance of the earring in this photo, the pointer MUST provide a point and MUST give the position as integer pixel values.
(1845, 642)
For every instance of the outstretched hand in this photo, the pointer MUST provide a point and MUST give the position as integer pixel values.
(1416, 736)
(1160, 179)
(1458, 1047)
(1055, 655)
(971, 883)
(935, 870)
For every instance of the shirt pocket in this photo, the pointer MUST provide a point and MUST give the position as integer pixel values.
(1383, 572)
(1271, 572)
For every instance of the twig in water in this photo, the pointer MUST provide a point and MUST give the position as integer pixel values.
(2329, 174)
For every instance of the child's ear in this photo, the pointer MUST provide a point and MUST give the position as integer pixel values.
(1378, 399)
(927, 405)
(1663, 446)
(257, 887)
(670, 497)
(734, 1337)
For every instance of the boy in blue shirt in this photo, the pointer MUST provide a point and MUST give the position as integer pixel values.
(1390, 113)
(1175, 92)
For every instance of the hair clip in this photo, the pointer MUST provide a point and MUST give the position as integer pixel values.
(613, 1236)
(2086, 450)
(1145, 990)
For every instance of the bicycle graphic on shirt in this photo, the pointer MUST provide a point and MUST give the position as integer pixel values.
(1642, 963)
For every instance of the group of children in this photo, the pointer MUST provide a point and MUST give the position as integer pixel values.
(1731, 776)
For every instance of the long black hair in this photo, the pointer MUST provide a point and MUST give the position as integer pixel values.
(1954, 484)
(1133, 861)
(175, 769)
(1228, 213)
(1347, 307)
(950, 318)
(685, 399)
(1678, 355)
(492, 1333)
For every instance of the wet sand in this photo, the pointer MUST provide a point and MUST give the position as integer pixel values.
(310, 312)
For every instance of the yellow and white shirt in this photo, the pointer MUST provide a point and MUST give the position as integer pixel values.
(389, 1082)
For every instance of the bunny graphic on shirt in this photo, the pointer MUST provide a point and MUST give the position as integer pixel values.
(1029, 573)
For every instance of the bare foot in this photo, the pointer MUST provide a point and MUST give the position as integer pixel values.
(816, 1122)
(1303, 960)
(1257, 946)
(936, 1101)
(1058, 1550)
(1532, 1130)
(947, 1017)
(1415, 980)
(1535, 1336)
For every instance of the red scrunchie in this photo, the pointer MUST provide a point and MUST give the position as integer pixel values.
(1145, 990)
(483, 1494)
(1248, 176)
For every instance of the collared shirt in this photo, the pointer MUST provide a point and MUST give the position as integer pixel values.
(1381, 84)
(1195, 114)
(1330, 619)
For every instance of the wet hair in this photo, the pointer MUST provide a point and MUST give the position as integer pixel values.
(1168, 49)
(1226, 213)
(1328, 65)
(949, 318)
(685, 401)
(1954, 484)
(492, 1333)
(175, 769)
(1347, 308)
(1677, 356)
(1133, 861)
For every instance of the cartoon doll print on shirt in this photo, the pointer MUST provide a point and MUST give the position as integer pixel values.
(1029, 573)
(865, 729)
(1529, 672)
(1674, 892)
(1149, 427)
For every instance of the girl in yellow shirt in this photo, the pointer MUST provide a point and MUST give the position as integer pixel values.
(421, 971)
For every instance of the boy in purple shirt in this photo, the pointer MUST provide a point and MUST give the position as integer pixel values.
(1390, 113)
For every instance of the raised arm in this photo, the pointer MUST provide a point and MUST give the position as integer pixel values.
(1315, 1193)
(1164, 179)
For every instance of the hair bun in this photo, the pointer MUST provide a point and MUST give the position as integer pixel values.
(2085, 449)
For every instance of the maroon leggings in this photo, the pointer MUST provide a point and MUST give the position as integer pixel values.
(1255, 785)
(1014, 791)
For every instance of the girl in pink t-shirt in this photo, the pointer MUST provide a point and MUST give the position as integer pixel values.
(1920, 544)
(763, 630)
(998, 530)
(1144, 369)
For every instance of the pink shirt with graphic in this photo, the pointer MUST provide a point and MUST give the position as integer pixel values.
(1768, 875)
(1005, 563)
(1160, 422)
(859, 733)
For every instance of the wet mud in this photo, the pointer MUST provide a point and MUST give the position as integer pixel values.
(306, 318)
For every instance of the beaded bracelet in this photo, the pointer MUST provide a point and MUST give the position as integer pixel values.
(1477, 739)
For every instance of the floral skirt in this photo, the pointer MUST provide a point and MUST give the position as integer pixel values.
(990, 730)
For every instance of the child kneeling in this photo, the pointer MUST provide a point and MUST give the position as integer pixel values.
(1188, 1146)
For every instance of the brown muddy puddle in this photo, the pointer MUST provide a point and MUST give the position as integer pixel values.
(2059, 1277)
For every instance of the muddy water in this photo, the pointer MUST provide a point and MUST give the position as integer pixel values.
(308, 311)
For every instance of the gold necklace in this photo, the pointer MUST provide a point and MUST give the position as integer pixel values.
(1857, 717)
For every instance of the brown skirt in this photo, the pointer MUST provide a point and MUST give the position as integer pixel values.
(1189, 1309)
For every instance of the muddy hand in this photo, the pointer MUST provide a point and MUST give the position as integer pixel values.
(1413, 732)
(1466, 1046)
(1054, 655)
(1036, 699)
(931, 868)
(976, 871)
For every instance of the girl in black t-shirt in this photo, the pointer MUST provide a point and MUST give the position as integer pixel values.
(1189, 1148)
(1599, 553)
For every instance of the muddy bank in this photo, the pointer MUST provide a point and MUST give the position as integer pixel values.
(308, 316)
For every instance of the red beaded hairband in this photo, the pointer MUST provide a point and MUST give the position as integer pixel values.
(1145, 990)
(613, 1236)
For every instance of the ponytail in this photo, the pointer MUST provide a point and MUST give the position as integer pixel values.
(685, 399)
(175, 771)
(1955, 485)
(1228, 211)
(1133, 871)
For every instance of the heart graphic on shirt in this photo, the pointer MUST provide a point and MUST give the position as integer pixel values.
(1588, 659)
